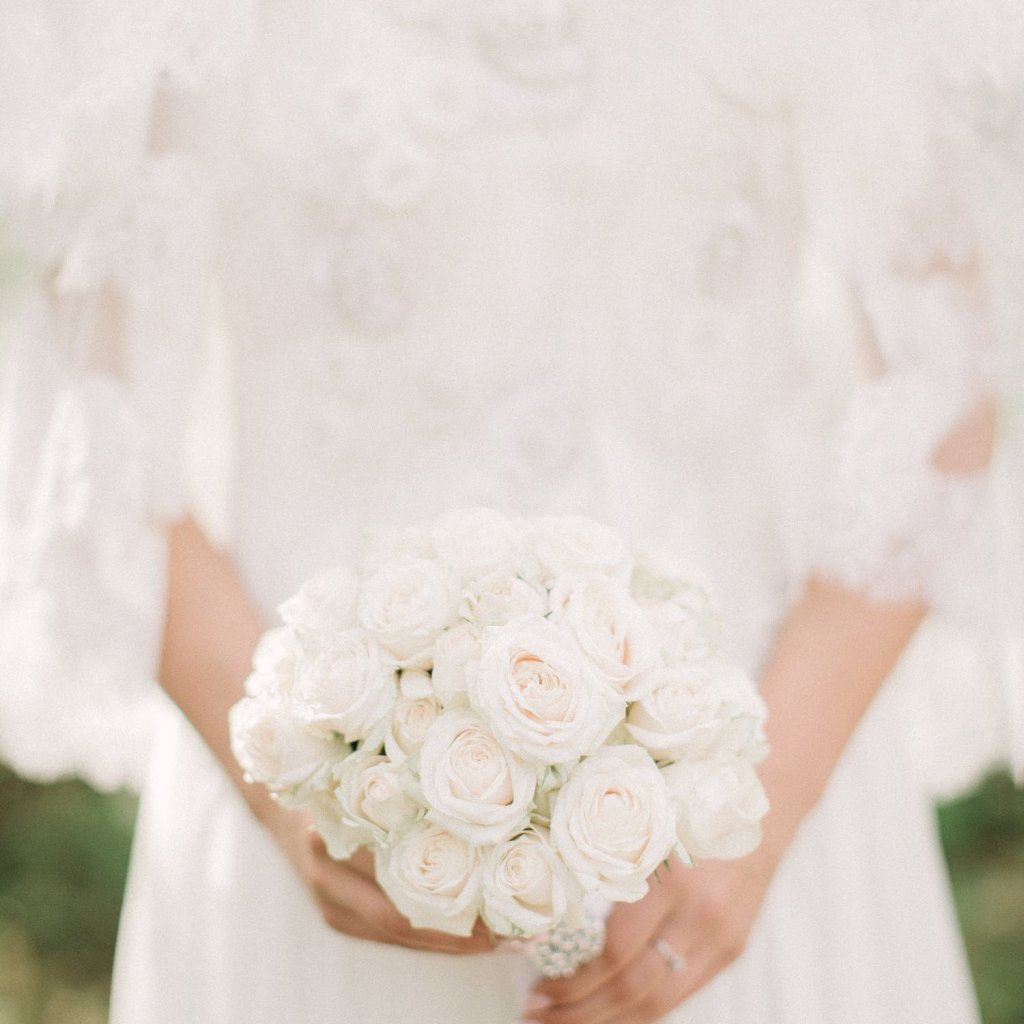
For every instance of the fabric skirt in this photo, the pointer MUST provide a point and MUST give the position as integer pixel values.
(858, 926)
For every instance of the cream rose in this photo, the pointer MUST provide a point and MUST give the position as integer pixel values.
(611, 630)
(406, 607)
(719, 806)
(411, 719)
(539, 695)
(527, 888)
(473, 786)
(324, 604)
(433, 877)
(273, 747)
(499, 597)
(478, 541)
(613, 822)
(341, 839)
(456, 660)
(349, 687)
(574, 544)
(273, 665)
(679, 609)
(699, 710)
(371, 795)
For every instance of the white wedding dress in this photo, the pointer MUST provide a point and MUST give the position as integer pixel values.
(312, 268)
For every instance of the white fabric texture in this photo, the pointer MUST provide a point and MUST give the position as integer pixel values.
(541, 255)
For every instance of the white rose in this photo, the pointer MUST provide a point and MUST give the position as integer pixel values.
(539, 695)
(366, 804)
(341, 838)
(613, 822)
(433, 878)
(472, 785)
(411, 719)
(573, 544)
(680, 609)
(477, 541)
(610, 629)
(719, 806)
(273, 747)
(371, 794)
(699, 710)
(456, 659)
(406, 607)
(499, 597)
(273, 665)
(348, 687)
(527, 888)
(324, 604)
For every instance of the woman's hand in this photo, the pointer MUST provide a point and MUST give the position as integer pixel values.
(696, 919)
(831, 655)
(351, 901)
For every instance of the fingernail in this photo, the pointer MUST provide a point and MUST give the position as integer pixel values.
(536, 1003)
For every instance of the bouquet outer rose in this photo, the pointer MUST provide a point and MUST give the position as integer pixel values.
(719, 806)
(348, 686)
(272, 746)
(614, 823)
(527, 889)
(273, 665)
(476, 542)
(405, 608)
(679, 607)
(696, 710)
(433, 877)
(367, 804)
(327, 602)
(500, 596)
(573, 544)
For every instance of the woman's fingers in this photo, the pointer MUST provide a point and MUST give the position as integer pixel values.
(632, 928)
(702, 934)
(617, 998)
(658, 975)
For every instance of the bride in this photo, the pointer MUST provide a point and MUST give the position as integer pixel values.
(280, 273)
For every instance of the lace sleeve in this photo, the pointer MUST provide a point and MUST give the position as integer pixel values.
(908, 501)
(104, 243)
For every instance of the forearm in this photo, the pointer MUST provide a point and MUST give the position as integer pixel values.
(211, 630)
(832, 655)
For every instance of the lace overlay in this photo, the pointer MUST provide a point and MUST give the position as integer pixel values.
(478, 252)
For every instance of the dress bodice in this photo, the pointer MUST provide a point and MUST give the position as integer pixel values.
(530, 255)
(544, 255)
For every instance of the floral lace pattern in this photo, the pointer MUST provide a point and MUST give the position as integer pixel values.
(477, 252)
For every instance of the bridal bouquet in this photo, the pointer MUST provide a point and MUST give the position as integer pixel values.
(511, 713)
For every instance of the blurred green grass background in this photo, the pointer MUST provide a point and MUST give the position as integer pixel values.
(64, 854)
